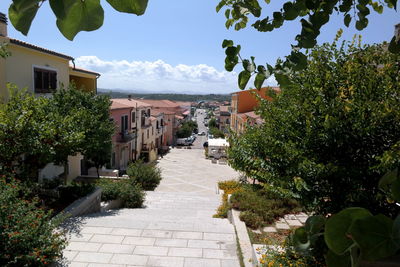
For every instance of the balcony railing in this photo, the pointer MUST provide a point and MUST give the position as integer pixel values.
(127, 136)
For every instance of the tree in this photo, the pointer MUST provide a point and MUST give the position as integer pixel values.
(212, 123)
(314, 14)
(35, 131)
(333, 133)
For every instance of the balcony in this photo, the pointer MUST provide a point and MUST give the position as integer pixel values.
(127, 136)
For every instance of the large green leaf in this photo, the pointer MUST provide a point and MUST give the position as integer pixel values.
(74, 16)
(334, 260)
(243, 79)
(315, 224)
(374, 235)
(259, 80)
(337, 228)
(137, 7)
(22, 13)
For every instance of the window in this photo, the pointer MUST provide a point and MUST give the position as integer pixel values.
(157, 125)
(143, 118)
(148, 113)
(148, 133)
(133, 117)
(124, 123)
(45, 80)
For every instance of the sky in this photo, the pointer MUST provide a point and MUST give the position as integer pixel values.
(176, 45)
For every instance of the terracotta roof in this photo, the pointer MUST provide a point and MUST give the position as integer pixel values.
(178, 117)
(252, 114)
(187, 112)
(160, 103)
(40, 49)
(117, 105)
(130, 102)
(84, 71)
(224, 108)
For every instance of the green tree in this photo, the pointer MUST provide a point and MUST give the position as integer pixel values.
(314, 15)
(217, 133)
(146, 175)
(332, 133)
(212, 123)
(37, 130)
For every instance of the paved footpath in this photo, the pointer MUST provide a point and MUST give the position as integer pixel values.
(175, 229)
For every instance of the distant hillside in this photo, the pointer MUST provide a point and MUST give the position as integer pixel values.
(170, 96)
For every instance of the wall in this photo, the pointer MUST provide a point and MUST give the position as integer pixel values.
(118, 147)
(83, 83)
(19, 66)
(74, 166)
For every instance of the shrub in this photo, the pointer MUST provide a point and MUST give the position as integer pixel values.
(148, 176)
(229, 187)
(131, 195)
(28, 236)
(252, 220)
(262, 203)
(74, 191)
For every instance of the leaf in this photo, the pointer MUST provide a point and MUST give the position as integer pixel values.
(393, 3)
(315, 224)
(137, 7)
(396, 189)
(291, 12)
(388, 178)
(394, 46)
(337, 228)
(220, 5)
(230, 63)
(259, 80)
(22, 13)
(347, 20)
(227, 13)
(243, 79)
(282, 79)
(227, 43)
(374, 235)
(334, 260)
(74, 16)
(300, 239)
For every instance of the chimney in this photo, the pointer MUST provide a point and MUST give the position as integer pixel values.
(397, 31)
(3, 24)
(129, 97)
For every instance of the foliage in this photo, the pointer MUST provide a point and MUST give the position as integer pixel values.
(148, 176)
(46, 130)
(333, 133)
(73, 16)
(260, 206)
(348, 237)
(28, 236)
(74, 191)
(314, 15)
(186, 129)
(131, 195)
(212, 123)
(229, 187)
(3, 50)
(216, 133)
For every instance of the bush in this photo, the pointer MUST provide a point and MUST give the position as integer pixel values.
(252, 220)
(148, 176)
(217, 133)
(28, 236)
(229, 187)
(262, 203)
(131, 195)
(74, 191)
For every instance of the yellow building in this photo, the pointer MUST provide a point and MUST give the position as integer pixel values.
(39, 70)
(42, 72)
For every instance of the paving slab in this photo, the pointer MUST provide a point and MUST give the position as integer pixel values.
(175, 228)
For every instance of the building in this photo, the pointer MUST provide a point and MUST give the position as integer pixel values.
(39, 70)
(136, 123)
(175, 113)
(42, 72)
(223, 116)
(243, 105)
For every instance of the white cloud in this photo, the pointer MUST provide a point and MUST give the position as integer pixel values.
(159, 76)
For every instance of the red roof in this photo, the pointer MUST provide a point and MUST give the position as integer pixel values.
(133, 103)
(160, 103)
(117, 105)
(224, 108)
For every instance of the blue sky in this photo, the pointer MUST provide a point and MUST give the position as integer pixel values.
(176, 45)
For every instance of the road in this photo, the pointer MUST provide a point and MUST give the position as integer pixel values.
(200, 115)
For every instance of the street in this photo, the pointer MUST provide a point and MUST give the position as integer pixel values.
(200, 115)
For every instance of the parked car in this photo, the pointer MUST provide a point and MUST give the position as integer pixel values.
(202, 133)
(183, 141)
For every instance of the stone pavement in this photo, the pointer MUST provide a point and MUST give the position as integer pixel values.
(187, 170)
(175, 229)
